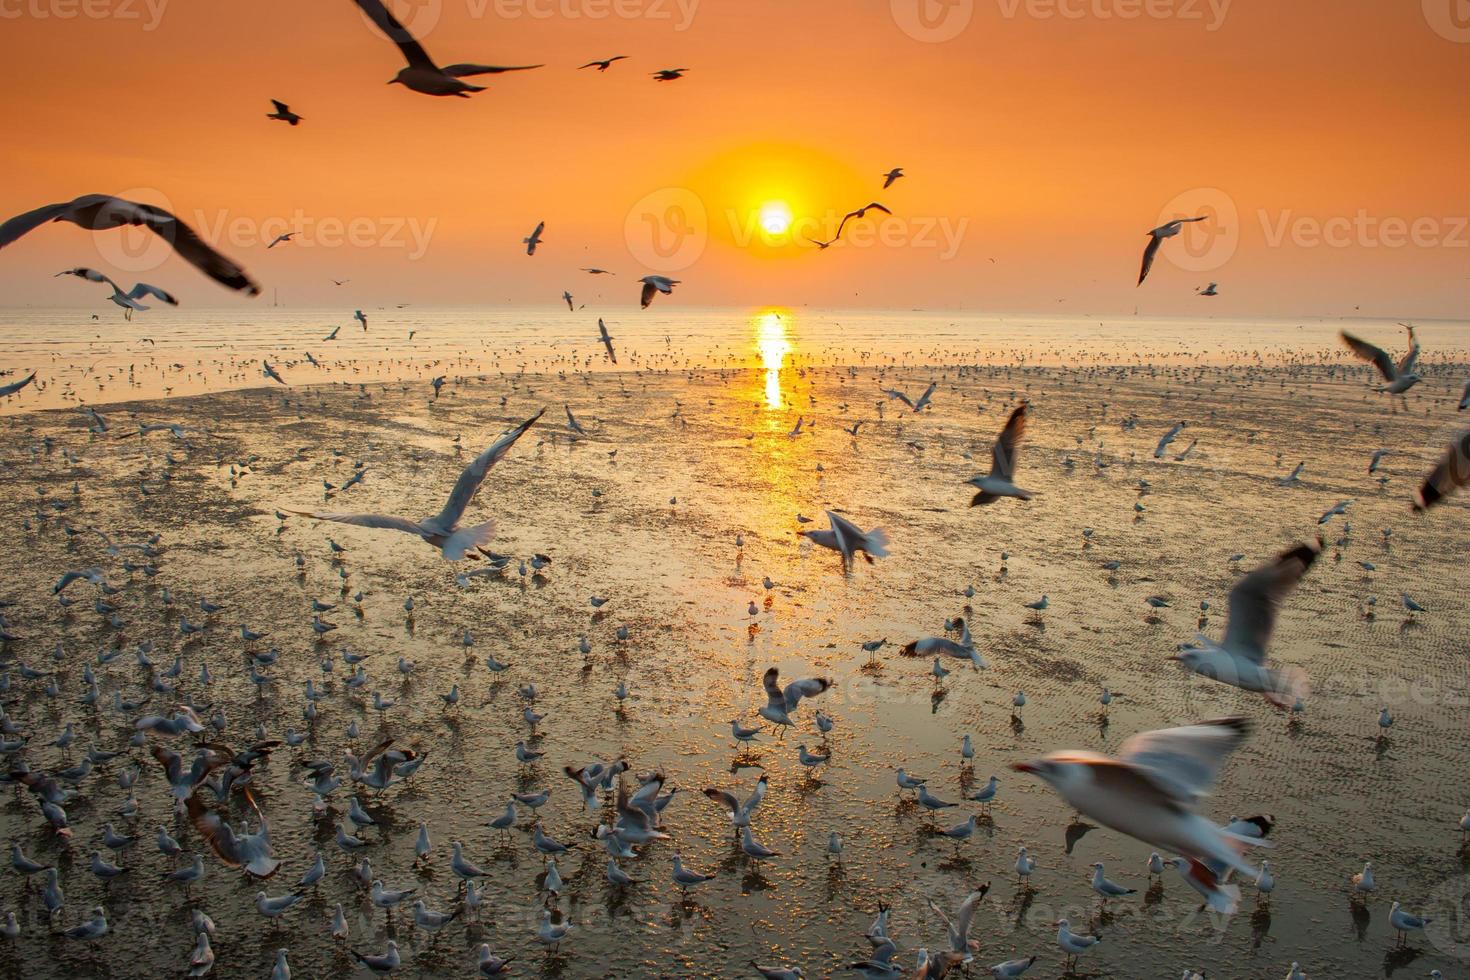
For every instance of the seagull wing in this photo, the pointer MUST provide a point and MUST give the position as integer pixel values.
(966, 915)
(775, 698)
(414, 52)
(648, 290)
(1256, 599)
(756, 795)
(1149, 251)
(1008, 444)
(1376, 356)
(462, 71)
(1412, 357)
(724, 799)
(469, 481)
(1452, 473)
(386, 521)
(143, 289)
(280, 106)
(807, 687)
(185, 241)
(895, 393)
(31, 220)
(15, 386)
(1184, 762)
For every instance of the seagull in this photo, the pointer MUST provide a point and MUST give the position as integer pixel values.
(283, 237)
(1071, 943)
(1213, 289)
(593, 271)
(1240, 659)
(100, 212)
(778, 972)
(859, 214)
(891, 176)
(1108, 889)
(1338, 508)
(848, 539)
(961, 945)
(422, 75)
(1465, 396)
(1295, 478)
(656, 284)
(669, 74)
(1398, 378)
(740, 813)
(1167, 438)
(15, 386)
(1452, 473)
(780, 703)
(443, 530)
(358, 316)
(283, 113)
(128, 300)
(1156, 238)
(1012, 968)
(535, 239)
(1403, 923)
(607, 340)
(1150, 790)
(267, 371)
(605, 63)
(566, 294)
(999, 483)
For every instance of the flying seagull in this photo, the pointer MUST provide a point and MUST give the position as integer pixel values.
(1003, 464)
(607, 340)
(358, 316)
(669, 74)
(1255, 601)
(1150, 792)
(100, 212)
(1156, 238)
(1167, 438)
(848, 539)
(283, 237)
(604, 64)
(283, 113)
(861, 212)
(566, 294)
(1452, 473)
(443, 530)
(1213, 289)
(422, 75)
(599, 272)
(534, 239)
(1398, 378)
(128, 300)
(656, 284)
(891, 176)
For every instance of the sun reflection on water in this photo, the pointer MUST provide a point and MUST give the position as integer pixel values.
(773, 345)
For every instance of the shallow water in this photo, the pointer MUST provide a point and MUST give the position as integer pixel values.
(701, 457)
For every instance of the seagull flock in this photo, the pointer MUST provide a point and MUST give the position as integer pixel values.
(202, 792)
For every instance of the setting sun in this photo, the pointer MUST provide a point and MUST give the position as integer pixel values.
(775, 218)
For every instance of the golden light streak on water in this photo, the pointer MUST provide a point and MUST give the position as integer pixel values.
(772, 342)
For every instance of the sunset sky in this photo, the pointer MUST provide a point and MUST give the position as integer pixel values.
(1041, 142)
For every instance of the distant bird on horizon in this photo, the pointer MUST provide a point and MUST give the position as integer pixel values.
(422, 75)
(283, 113)
(604, 64)
(1156, 238)
(101, 212)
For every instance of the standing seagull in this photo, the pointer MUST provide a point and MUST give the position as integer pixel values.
(283, 113)
(1398, 378)
(891, 176)
(534, 240)
(605, 63)
(1240, 660)
(656, 284)
(99, 212)
(422, 75)
(1452, 473)
(1003, 464)
(443, 530)
(606, 340)
(1156, 238)
(1150, 792)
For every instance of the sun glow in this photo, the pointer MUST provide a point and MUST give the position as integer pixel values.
(775, 217)
(773, 346)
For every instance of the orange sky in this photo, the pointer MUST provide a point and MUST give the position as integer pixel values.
(1048, 136)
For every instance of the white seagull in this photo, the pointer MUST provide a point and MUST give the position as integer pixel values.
(443, 530)
(1156, 238)
(1398, 378)
(999, 483)
(848, 539)
(656, 284)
